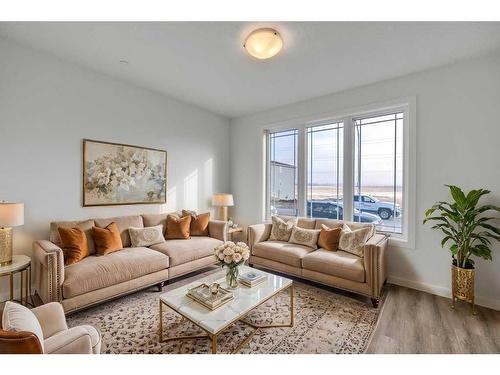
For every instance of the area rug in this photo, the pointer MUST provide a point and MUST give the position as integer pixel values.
(325, 322)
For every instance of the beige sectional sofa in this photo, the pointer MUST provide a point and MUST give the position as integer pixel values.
(99, 278)
(363, 275)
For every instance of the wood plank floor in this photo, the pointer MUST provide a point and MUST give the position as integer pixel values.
(417, 322)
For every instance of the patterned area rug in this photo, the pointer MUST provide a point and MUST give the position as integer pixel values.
(325, 322)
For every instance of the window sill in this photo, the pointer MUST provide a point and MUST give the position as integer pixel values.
(401, 243)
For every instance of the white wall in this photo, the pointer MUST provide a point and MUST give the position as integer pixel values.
(48, 106)
(458, 142)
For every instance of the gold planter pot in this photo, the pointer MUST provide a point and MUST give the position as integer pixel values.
(462, 285)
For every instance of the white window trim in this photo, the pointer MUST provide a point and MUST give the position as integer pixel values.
(407, 105)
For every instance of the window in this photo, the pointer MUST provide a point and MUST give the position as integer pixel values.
(325, 163)
(378, 164)
(283, 173)
(352, 168)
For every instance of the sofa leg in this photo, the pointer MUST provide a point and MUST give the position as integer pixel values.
(159, 286)
(375, 302)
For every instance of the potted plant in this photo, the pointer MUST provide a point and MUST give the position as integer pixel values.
(469, 232)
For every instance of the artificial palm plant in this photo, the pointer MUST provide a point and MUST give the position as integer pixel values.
(464, 224)
(470, 232)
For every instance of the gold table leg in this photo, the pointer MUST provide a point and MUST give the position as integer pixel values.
(165, 339)
(21, 297)
(256, 327)
(214, 344)
(11, 279)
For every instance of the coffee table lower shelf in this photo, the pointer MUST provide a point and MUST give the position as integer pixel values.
(213, 336)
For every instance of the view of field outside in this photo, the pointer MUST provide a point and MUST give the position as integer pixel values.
(377, 171)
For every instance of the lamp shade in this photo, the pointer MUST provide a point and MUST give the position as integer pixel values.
(11, 214)
(222, 199)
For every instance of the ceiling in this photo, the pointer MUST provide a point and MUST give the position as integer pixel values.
(204, 63)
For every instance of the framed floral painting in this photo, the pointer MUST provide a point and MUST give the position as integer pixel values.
(118, 174)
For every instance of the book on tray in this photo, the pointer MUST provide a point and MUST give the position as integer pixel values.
(252, 278)
(203, 295)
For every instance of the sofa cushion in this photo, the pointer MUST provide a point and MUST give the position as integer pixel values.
(302, 222)
(74, 244)
(199, 223)
(329, 238)
(123, 223)
(353, 240)
(281, 229)
(177, 227)
(183, 251)
(97, 272)
(283, 252)
(306, 237)
(332, 223)
(152, 220)
(85, 225)
(146, 236)
(335, 263)
(107, 240)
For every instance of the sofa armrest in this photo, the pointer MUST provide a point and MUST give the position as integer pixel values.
(51, 318)
(49, 266)
(218, 229)
(258, 233)
(375, 266)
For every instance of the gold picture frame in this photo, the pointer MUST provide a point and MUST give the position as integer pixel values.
(115, 174)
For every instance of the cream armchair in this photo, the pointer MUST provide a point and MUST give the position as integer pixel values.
(46, 327)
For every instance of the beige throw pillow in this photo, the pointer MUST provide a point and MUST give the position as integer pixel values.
(146, 236)
(305, 237)
(353, 241)
(281, 230)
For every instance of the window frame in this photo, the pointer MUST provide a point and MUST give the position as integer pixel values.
(406, 105)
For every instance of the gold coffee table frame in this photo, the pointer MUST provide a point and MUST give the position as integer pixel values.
(213, 336)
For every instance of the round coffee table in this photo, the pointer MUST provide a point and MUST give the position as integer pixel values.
(20, 264)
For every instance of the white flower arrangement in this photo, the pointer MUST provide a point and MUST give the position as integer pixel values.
(231, 254)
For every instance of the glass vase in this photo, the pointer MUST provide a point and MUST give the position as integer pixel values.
(232, 277)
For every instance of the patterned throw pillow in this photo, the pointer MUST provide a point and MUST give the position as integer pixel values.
(353, 241)
(281, 230)
(146, 236)
(305, 237)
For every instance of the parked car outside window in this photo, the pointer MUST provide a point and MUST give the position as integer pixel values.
(371, 204)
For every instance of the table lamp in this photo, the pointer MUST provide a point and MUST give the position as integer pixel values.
(11, 215)
(223, 201)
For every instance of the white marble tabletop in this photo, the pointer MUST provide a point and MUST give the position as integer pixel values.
(245, 299)
(18, 262)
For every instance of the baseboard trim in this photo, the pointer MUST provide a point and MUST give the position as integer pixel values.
(440, 291)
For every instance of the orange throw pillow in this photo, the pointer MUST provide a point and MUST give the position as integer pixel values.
(74, 244)
(199, 223)
(107, 240)
(178, 227)
(329, 238)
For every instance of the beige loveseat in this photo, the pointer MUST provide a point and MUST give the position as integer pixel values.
(362, 275)
(99, 278)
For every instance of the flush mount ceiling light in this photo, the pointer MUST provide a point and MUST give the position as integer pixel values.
(263, 43)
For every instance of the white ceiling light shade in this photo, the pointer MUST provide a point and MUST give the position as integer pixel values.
(263, 43)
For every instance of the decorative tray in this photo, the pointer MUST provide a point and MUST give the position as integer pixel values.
(203, 295)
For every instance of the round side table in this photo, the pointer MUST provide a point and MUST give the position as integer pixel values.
(20, 264)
